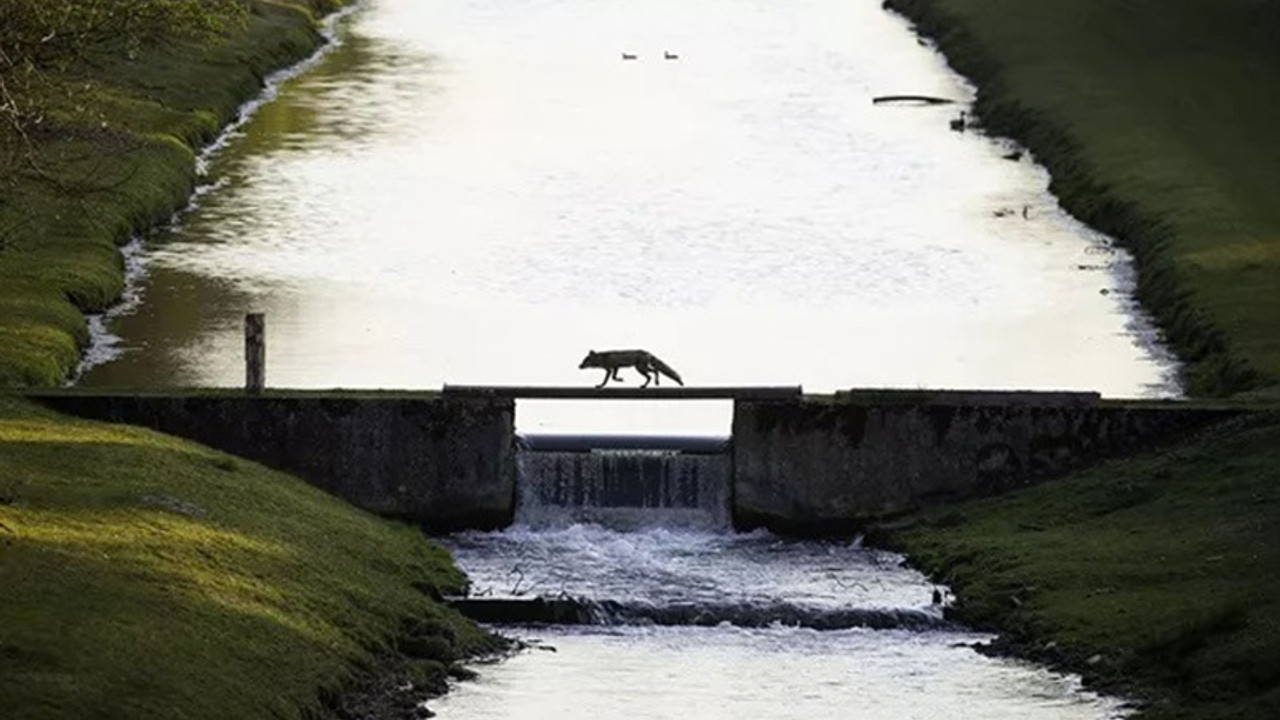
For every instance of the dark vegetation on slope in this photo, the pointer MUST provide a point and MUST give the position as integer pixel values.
(1157, 575)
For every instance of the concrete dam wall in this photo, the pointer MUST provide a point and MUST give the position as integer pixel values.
(444, 464)
(828, 466)
(797, 465)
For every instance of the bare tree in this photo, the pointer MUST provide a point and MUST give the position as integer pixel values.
(42, 39)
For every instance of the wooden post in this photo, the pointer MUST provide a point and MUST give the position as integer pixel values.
(255, 353)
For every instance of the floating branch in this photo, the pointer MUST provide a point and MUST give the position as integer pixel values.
(917, 99)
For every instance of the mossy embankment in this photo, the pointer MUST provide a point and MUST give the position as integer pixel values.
(1157, 575)
(112, 155)
(142, 576)
(1157, 121)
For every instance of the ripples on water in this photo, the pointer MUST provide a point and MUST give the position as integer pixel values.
(734, 665)
(466, 192)
(685, 618)
(687, 566)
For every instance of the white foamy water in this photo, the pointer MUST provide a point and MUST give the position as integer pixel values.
(686, 566)
(472, 193)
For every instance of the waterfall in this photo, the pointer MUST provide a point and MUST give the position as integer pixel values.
(623, 482)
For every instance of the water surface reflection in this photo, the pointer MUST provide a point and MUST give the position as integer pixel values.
(466, 192)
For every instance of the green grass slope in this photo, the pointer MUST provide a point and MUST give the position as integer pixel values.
(1158, 575)
(1157, 120)
(114, 156)
(143, 576)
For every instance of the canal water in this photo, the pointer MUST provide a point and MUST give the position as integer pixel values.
(479, 192)
(691, 620)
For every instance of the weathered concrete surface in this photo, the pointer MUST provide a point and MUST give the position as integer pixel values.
(807, 465)
(831, 465)
(443, 463)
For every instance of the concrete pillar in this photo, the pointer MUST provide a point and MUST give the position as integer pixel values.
(255, 353)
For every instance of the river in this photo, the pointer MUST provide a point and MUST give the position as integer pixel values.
(469, 191)
(478, 192)
(748, 626)
(692, 620)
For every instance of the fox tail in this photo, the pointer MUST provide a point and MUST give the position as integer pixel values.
(667, 370)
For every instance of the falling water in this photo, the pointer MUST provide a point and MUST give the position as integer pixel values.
(563, 481)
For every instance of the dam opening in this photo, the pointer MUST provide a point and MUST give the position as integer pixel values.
(623, 481)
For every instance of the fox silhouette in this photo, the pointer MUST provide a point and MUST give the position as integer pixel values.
(645, 362)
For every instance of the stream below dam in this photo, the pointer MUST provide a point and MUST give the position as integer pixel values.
(479, 192)
(691, 620)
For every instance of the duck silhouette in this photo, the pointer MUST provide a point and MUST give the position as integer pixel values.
(668, 55)
(959, 124)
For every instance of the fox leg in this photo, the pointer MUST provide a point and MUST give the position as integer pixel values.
(606, 379)
(647, 377)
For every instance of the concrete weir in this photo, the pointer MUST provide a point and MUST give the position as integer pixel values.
(799, 464)
(444, 464)
(833, 464)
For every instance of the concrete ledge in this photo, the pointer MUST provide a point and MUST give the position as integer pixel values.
(970, 398)
(532, 392)
(684, 444)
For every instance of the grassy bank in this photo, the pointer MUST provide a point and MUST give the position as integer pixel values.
(1157, 121)
(114, 155)
(143, 576)
(1158, 575)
